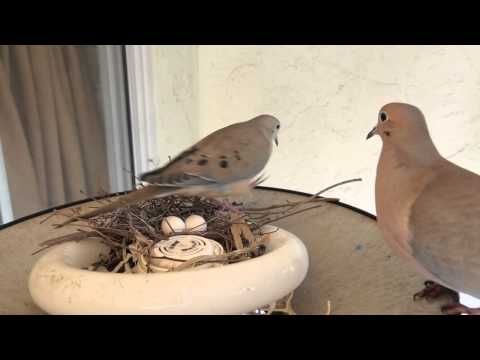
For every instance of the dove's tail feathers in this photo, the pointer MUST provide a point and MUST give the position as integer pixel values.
(178, 180)
(259, 180)
(136, 196)
(149, 176)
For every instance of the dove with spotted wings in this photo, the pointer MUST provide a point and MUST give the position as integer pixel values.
(226, 162)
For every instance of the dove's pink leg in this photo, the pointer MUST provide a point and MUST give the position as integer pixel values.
(458, 309)
(434, 291)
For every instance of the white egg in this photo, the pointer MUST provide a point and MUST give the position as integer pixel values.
(195, 223)
(172, 224)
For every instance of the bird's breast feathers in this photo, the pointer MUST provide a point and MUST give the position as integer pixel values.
(396, 189)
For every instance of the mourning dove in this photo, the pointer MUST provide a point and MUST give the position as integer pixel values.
(226, 162)
(428, 208)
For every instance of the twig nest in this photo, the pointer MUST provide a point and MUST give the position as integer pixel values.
(196, 223)
(172, 224)
(166, 255)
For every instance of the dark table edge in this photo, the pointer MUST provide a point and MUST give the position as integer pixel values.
(42, 212)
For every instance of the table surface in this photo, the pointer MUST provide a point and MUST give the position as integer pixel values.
(350, 265)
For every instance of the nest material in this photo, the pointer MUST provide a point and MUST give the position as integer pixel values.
(132, 231)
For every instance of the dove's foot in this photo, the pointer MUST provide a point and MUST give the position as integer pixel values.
(459, 309)
(433, 291)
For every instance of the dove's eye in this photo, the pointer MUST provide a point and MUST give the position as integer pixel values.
(383, 116)
(278, 126)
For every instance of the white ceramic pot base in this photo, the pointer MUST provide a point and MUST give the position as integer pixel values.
(58, 285)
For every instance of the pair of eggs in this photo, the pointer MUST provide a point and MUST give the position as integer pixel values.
(174, 224)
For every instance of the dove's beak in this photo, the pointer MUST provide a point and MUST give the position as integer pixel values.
(276, 141)
(372, 132)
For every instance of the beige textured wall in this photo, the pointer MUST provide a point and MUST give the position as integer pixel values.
(327, 98)
(175, 75)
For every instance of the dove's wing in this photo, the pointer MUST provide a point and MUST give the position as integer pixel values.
(234, 153)
(445, 228)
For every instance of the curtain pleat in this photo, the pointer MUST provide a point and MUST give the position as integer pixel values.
(51, 129)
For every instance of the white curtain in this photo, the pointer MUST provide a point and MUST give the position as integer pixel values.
(51, 130)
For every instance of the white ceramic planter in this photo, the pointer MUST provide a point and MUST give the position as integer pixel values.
(58, 285)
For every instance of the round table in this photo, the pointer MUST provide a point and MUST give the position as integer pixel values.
(350, 265)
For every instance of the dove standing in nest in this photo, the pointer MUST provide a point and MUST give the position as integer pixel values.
(226, 162)
(428, 208)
